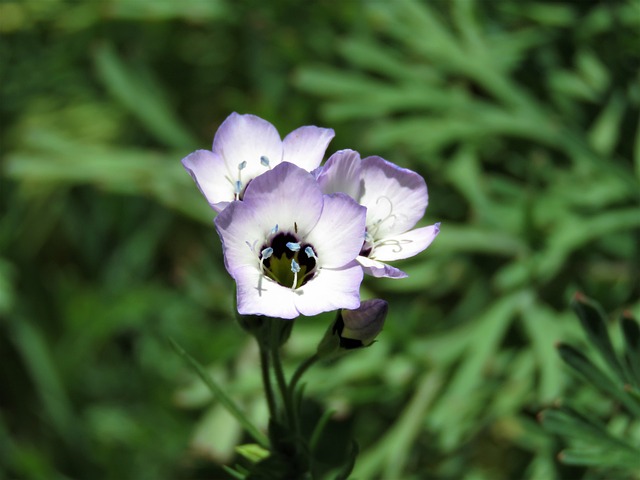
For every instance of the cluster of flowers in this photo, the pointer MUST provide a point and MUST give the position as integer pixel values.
(297, 237)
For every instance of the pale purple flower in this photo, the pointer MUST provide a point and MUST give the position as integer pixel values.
(395, 198)
(290, 248)
(246, 146)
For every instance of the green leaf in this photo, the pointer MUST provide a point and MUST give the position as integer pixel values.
(597, 378)
(631, 333)
(594, 324)
(137, 91)
(221, 396)
(348, 468)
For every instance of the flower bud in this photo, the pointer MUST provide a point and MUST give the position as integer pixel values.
(361, 326)
(354, 329)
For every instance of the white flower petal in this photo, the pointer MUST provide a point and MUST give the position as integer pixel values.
(241, 234)
(338, 236)
(306, 146)
(395, 197)
(331, 289)
(378, 269)
(342, 173)
(286, 196)
(258, 295)
(247, 138)
(405, 245)
(208, 171)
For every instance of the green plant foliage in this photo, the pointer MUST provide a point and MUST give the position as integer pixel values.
(612, 446)
(523, 117)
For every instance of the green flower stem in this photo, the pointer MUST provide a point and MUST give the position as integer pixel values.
(282, 383)
(266, 380)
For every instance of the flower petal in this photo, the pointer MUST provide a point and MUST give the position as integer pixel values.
(247, 138)
(241, 234)
(405, 245)
(287, 196)
(259, 295)
(208, 171)
(378, 269)
(331, 289)
(339, 233)
(342, 173)
(306, 146)
(395, 197)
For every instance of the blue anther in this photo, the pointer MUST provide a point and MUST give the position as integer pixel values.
(294, 247)
(266, 252)
(274, 230)
(238, 187)
(310, 253)
(264, 161)
(295, 268)
(242, 164)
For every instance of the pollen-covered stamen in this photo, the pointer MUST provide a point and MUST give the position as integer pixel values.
(264, 161)
(238, 183)
(293, 246)
(264, 255)
(295, 268)
(310, 253)
(282, 260)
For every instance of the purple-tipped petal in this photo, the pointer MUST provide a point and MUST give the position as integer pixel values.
(396, 198)
(342, 173)
(339, 233)
(406, 244)
(331, 289)
(379, 270)
(286, 194)
(306, 146)
(247, 138)
(208, 171)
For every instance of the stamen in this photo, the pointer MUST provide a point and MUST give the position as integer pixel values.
(294, 247)
(274, 230)
(238, 188)
(266, 253)
(310, 253)
(295, 268)
(242, 164)
(264, 161)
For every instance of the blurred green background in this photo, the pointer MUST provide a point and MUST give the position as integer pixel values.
(523, 117)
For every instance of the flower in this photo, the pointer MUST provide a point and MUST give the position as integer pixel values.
(354, 329)
(291, 249)
(395, 198)
(246, 146)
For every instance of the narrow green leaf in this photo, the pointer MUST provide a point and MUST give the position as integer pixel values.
(233, 473)
(594, 324)
(605, 131)
(142, 98)
(608, 457)
(348, 468)
(631, 333)
(597, 378)
(221, 396)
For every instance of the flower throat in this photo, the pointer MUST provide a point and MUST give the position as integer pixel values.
(288, 262)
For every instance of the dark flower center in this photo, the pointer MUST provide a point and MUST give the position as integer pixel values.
(287, 261)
